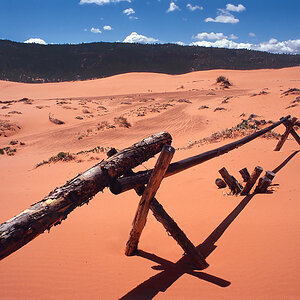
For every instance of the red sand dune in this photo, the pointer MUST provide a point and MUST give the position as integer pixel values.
(255, 252)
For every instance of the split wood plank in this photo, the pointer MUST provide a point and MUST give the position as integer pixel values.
(121, 185)
(253, 177)
(289, 126)
(55, 207)
(153, 185)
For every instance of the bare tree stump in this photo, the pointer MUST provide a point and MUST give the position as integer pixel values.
(289, 126)
(221, 183)
(155, 180)
(253, 177)
(245, 174)
(54, 208)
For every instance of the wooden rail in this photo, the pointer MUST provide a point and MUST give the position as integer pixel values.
(121, 185)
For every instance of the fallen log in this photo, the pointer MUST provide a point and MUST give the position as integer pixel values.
(55, 207)
(130, 182)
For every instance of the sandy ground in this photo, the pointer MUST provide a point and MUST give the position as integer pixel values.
(253, 254)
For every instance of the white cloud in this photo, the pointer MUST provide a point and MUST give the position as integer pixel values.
(233, 37)
(273, 45)
(95, 30)
(107, 27)
(35, 41)
(252, 34)
(238, 8)
(172, 7)
(180, 43)
(210, 36)
(101, 2)
(128, 11)
(138, 38)
(223, 18)
(193, 8)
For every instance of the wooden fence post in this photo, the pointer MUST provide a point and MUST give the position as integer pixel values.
(231, 181)
(253, 177)
(245, 174)
(289, 127)
(140, 219)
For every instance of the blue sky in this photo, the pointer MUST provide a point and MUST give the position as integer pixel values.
(272, 25)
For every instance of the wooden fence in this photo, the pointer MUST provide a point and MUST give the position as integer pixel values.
(55, 207)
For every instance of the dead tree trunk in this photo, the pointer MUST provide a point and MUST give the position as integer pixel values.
(130, 182)
(55, 207)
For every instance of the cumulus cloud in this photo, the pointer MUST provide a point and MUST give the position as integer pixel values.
(193, 8)
(252, 34)
(210, 36)
(172, 7)
(35, 41)
(101, 2)
(273, 45)
(223, 18)
(134, 37)
(233, 37)
(238, 8)
(107, 27)
(128, 11)
(95, 30)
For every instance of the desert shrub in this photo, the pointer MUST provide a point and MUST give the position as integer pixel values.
(122, 122)
(224, 81)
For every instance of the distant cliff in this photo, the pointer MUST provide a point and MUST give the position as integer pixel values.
(52, 63)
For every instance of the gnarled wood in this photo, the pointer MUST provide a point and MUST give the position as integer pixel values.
(156, 177)
(253, 177)
(129, 182)
(55, 207)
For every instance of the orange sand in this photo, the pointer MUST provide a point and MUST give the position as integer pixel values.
(256, 256)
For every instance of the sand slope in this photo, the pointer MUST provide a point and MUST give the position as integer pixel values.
(254, 253)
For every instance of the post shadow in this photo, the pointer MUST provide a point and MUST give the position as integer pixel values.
(173, 271)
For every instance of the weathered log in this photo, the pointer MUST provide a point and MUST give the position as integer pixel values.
(270, 175)
(263, 185)
(227, 177)
(156, 177)
(126, 183)
(231, 181)
(221, 183)
(295, 135)
(173, 229)
(289, 126)
(253, 177)
(55, 207)
(245, 174)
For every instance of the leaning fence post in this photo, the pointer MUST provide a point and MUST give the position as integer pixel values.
(253, 177)
(156, 177)
(231, 181)
(284, 137)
